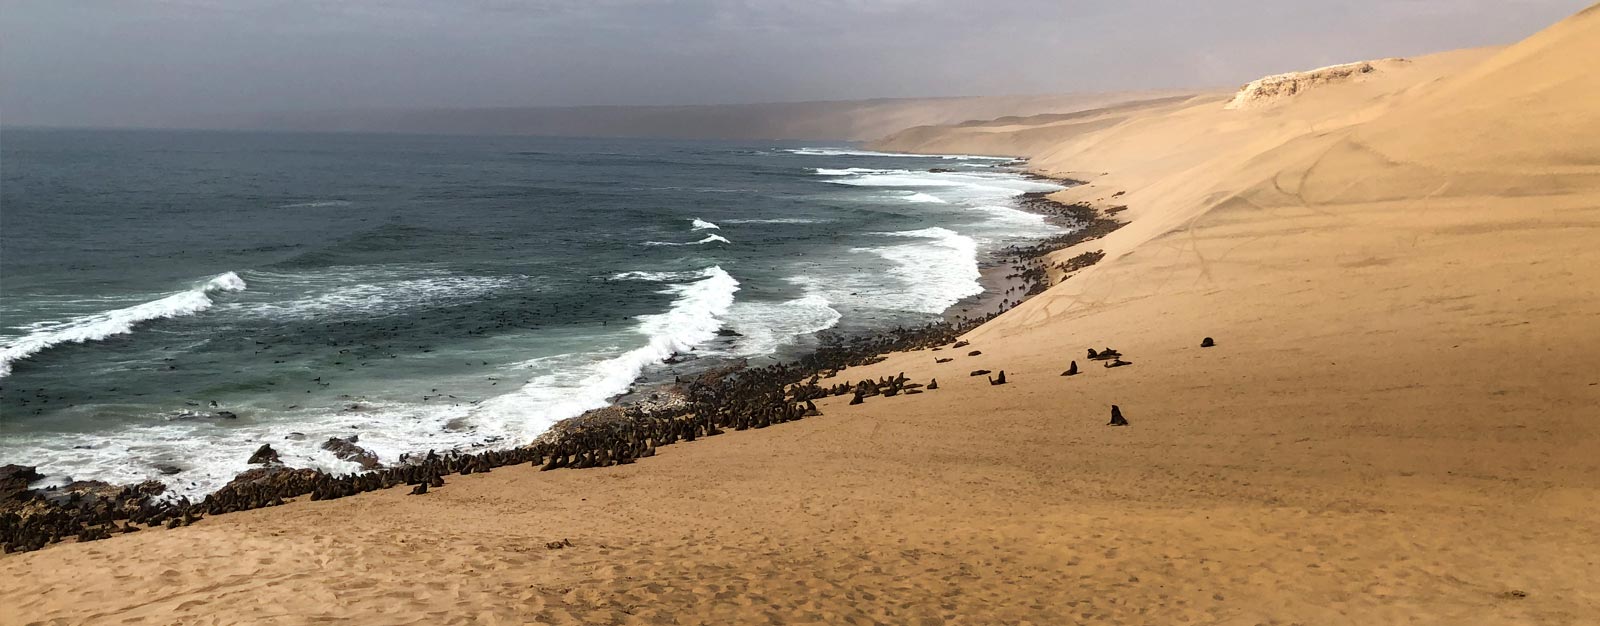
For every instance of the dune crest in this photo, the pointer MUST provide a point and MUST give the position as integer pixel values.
(1269, 90)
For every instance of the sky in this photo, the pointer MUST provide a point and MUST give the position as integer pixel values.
(156, 62)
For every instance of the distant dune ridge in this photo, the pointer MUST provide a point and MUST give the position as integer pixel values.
(1397, 422)
(849, 120)
(1272, 89)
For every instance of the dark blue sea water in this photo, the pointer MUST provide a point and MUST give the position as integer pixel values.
(434, 292)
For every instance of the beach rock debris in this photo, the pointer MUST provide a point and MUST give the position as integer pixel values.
(263, 455)
(346, 450)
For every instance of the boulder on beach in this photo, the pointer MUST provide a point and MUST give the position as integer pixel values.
(264, 455)
(347, 450)
(271, 475)
(14, 481)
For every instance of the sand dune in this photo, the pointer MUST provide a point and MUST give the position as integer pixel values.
(1399, 424)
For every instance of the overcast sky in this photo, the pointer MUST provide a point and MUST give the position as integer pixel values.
(132, 62)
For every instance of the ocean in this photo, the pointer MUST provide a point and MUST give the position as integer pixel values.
(169, 301)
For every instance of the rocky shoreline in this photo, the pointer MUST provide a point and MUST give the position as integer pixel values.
(733, 397)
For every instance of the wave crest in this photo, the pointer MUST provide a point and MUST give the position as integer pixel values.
(693, 319)
(98, 326)
(708, 239)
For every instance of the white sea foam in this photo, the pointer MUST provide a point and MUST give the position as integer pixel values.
(566, 385)
(826, 171)
(917, 196)
(658, 277)
(700, 224)
(777, 220)
(590, 381)
(315, 205)
(373, 293)
(1029, 222)
(98, 326)
(937, 272)
(128, 454)
(708, 239)
(869, 153)
(767, 326)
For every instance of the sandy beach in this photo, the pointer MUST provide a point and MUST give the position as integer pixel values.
(1399, 422)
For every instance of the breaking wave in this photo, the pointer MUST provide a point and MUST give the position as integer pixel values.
(777, 220)
(767, 326)
(938, 271)
(708, 239)
(98, 326)
(693, 319)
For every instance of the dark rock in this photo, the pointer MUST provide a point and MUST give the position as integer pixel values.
(272, 475)
(264, 455)
(14, 480)
(347, 450)
(88, 489)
